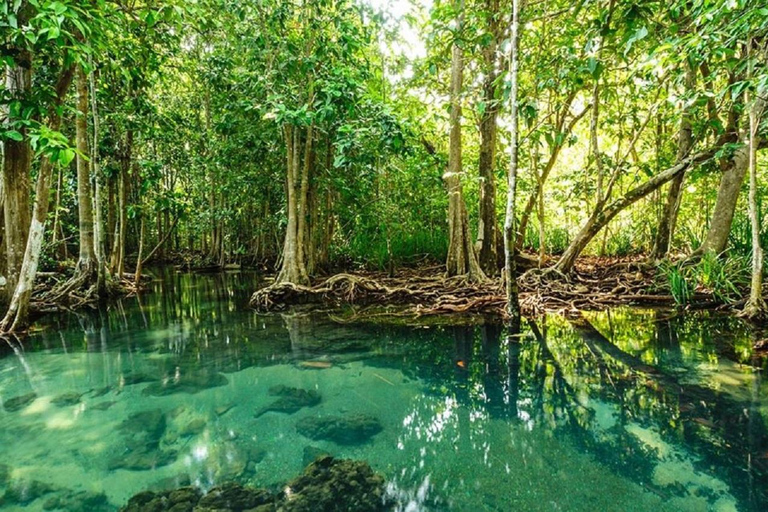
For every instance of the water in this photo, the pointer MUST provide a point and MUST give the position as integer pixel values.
(627, 410)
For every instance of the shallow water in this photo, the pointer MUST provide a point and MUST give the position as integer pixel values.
(626, 410)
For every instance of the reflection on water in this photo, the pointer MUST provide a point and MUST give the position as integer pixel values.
(626, 410)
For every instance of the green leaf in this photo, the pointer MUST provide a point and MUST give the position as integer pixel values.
(14, 135)
(66, 156)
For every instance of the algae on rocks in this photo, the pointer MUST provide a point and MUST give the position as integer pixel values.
(345, 430)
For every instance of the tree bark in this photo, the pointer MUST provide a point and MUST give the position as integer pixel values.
(17, 159)
(293, 269)
(462, 259)
(510, 270)
(668, 219)
(755, 308)
(87, 261)
(99, 231)
(17, 316)
(488, 236)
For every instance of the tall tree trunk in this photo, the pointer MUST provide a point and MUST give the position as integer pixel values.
(17, 159)
(510, 270)
(755, 307)
(99, 231)
(462, 259)
(293, 269)
(87, 261)
(725, 205)
(17, 316)
(117, 263)
(668, 219)
(488, 236)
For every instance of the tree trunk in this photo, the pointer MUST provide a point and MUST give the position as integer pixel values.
(87, 261)
(17, 316)
(117, 263)
(488, 236)
(725, 206)
(755, 307)
(462, 259)
(510, 270)
(668, 219)
(17, 159)
(99, 231)
(293, 269)
(602, 216)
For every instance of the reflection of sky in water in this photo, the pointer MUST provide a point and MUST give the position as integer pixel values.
(624, 410)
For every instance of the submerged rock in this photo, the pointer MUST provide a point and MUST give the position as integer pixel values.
(291, 400)
(352, 429)
(67, 399)
(19, 402)
(326, 485)
(79, 501)
(232, 496)
(183, 499)
(96, 393)
(335, 485)
(137, 378)
(103, 406)
(142, 433)
(189, 384)
(24, 493)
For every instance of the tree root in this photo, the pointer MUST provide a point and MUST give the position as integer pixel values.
(596, 284)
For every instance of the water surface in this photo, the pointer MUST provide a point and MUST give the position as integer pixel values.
(625, 410)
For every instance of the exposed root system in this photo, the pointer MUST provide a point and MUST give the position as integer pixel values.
(594, 285)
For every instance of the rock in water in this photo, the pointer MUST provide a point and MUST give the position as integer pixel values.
(291, 400)
(232, 496)
(24, 493)
(345, 430)
(66, 399)
(229, 497)
(334, 485)
(142, 433)
(183, 499)
(103, 406)
(82, 501)
(189, 384)
(19, 402)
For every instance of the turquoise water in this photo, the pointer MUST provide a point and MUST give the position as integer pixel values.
(626, 410)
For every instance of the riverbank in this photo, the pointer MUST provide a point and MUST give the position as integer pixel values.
(596, 284)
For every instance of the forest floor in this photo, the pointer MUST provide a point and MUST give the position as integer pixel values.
(595, 284)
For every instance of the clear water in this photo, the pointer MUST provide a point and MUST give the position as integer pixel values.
(653, 414)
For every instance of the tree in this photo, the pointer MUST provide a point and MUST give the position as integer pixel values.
(462, 258)
(510, 273)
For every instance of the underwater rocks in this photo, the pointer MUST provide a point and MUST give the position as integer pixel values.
(78, 501)
(326, 485)
(67, 399)
(103, 406)
(233, 496)
(19, 402)
(352, 429)
(190, 384)
(24, 493)
(142, 433)
(335, 485)
(291, 400)
(229, 497)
